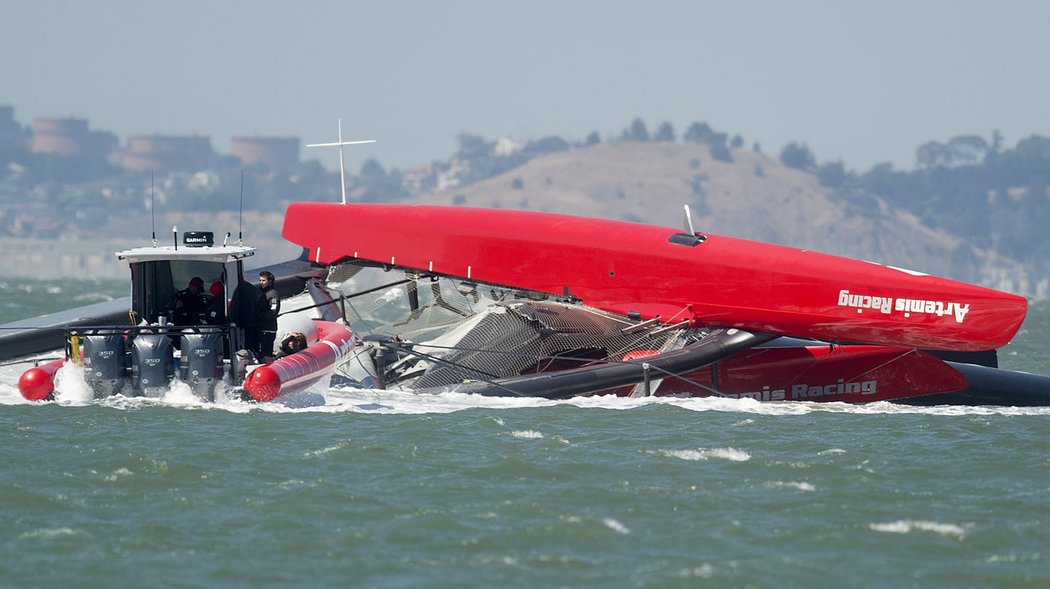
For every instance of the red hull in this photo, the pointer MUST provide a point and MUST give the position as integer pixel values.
(848, 374)
(623, 267)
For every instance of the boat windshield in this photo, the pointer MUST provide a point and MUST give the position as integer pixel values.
(156, 284)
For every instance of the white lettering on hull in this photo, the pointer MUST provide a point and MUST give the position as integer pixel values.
(804, 392)
(889, 305)
(801, 392)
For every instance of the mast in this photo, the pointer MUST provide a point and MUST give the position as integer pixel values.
(340, 143)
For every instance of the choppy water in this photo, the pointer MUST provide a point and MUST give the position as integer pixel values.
(397, 490)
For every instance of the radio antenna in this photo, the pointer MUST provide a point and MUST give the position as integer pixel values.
(340, 144)
(240, 212)
(152, 209)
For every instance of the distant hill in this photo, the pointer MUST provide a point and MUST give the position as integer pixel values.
(972, 209)
(753, 196)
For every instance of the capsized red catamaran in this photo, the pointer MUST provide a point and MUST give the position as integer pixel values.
(628, 268)
(727, 299)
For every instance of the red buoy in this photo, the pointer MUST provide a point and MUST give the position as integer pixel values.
(263, 384)
(37, 383)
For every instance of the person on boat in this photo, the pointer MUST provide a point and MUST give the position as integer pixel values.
(273, 308)
(215, 312)
(189, 303)
(295, 342)
(248, 310)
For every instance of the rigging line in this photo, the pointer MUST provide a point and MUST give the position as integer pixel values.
(698, 385)
(888, 362)
(34, 327)
(361, 318)
(28, 361)
(374, 289)
(342, 297)
(671, 318)
(307, 308)
(869, 371)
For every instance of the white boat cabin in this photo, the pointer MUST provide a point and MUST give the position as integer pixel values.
(158, 273)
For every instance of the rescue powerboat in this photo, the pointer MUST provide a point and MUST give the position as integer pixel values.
(157, 339)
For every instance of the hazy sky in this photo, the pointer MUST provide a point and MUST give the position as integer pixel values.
(864, 82)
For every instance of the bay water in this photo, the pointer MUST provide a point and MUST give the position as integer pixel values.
(381, 489)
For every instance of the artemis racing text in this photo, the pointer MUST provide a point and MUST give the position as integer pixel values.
(887, 305)
(802, 391)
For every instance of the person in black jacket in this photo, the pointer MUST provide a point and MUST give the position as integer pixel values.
(189, 303)
(269, 321)
(248, 310)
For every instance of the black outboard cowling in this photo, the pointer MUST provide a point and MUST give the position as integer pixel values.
(105, 365)
(201, 363)
(152, 364)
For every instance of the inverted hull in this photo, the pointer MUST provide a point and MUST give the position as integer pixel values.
(646, 271)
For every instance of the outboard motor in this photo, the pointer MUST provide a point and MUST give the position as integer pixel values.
(201, 364)
(105, 366)
(152, 364)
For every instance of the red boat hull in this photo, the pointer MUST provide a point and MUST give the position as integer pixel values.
(847, 374)
(627, 267)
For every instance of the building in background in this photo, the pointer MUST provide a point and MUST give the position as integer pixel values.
(71, 137)
(274, 152)
(167, 153)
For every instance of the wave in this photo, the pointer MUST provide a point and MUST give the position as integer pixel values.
(73, 392)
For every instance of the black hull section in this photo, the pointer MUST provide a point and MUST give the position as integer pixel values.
(987, 385)
(48, 332)
(582, 381)
(992, 386)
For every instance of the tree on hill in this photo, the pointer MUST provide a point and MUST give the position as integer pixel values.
(665, 133)
(472, 147)
(636, 132)
(720, 152)
(964, 150)
(968, 150)
(549, 144)
(797, 155)
(376, 185)
(698, 133)
(832, 175)
(932, 154)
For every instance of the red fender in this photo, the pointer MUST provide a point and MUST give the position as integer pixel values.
(37, 383)
(298, 371)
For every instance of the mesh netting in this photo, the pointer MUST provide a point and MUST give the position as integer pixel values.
(464, 331)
